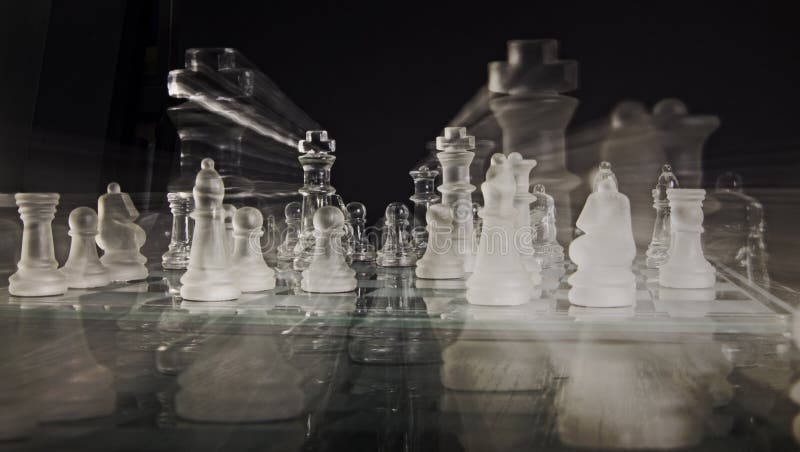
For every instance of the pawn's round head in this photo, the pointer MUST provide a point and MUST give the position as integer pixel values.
(113, 187)
(627, 113)
(248, 219)
(396, 211)
(512, 157)
(327, 218)
(670, 107)
(83, 219)
(293, 210)
(439, 214)
(357, 210)
(499, 159)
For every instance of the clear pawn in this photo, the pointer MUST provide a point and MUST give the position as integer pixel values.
(363, 250)
(286, 250)
(658, 251)
(397, 250)
(543, 220)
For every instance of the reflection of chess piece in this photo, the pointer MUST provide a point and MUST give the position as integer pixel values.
(441, 260)
(252, 273)
(37, 274)
(658, 250)
(83, 268)
(120, 238)
(177, 256)
(686, 267)
(328, 271)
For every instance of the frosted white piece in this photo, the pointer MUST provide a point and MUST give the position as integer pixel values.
(499, 278)
(456, 157)
(230, 211)
(208, 277)
(37, 271)
(441, 259)
(245, 379)
(251, 272)
(686, 267)
(523, 233)
(605, 252)
(328, 271)
(120, 238)
(83, 268)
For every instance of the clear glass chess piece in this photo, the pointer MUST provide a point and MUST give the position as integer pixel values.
(271, 241)
(543, 220)
(293, 213)
(363, 250)
(180, 244)
(658, 251)
(477, 227)
(347, 238)
(424, 196)
(397, 250)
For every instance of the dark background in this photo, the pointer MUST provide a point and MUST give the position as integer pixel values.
(83, 94)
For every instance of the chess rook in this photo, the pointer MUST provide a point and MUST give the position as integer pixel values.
(119, 237)
(251, 272)
(83, 268)
(37, 271)
(177, 255)
(686, 267)
(328, 271)
(456, 154)
(441, 260)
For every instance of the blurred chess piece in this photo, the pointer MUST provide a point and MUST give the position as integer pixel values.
(605, 252)
(543, 220)
(441, 260)
(120, 238)
(251, 272)
(271, 241)
(348, 234)
(83, 268)
(523, 233)
(363, 250)
(37, 271)
(686, 267)
(229, 210)
(328, 271)
(293, 213)
(180, 244)
(424, 196)
(397, 249)
(658, 250)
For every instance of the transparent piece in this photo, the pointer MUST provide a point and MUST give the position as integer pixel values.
(363, 250)
(293, 213)
(398, 249)
(543, 221)
(658, 250)
(424, 195)
(180, 242)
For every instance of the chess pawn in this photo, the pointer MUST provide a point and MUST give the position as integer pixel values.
(658, 250)
(605, 252)
(686, 267)
(441, 260)
(177, 256)
(397, 250)
(83, 268)
(328, 271)
(286, 251)
(363, 251)
(37, 271)
(543, 220)
(523, 233)
(120, 238)
(499, 279)
(230, 211)
(252, 273)
(208, 277)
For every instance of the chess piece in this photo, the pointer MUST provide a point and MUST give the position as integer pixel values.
(658, 250)
(523, 233)
(251, 272)
(543, 220)
(499, 279)
(363, 250)
(328, 271)
(229, 212)
(120, 238)
(348, 235)
(293, 214)
(605, 252)
(316, 156)
(604, 172)
(177, 256)
(455, 157)
(441, 260)
(397, 250)
(424, 196)
(686, 267)
(271, 242)
(83, 268)
(533, 115)
(208, 277)
(37, 271)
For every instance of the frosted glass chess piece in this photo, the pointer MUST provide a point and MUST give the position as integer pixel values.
(37, 271)
(499, 279)
(523, 233)
(328, 271)
(363, 250)
(604, 171)
(208, 277)
(658, 250)
(398, 249)
(293, 213)
(543, 221)
(251, 272)
(424, 196)
(229, 212)
(120, 238)
(455, 157)
(605, 252)
(441, 259)
(180, 245)
(83, 268)
(686, 267)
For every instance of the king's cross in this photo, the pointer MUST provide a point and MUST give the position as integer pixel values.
(455, 139)
(316, 141)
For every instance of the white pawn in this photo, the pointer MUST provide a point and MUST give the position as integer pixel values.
(83, 268)
(119, 237)
(499, 278)
(523, 234)
(605, 252)
(328, 271)
(37, 274)
(686, 267)
(441, 259)
(208, 277)
(249, 268)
